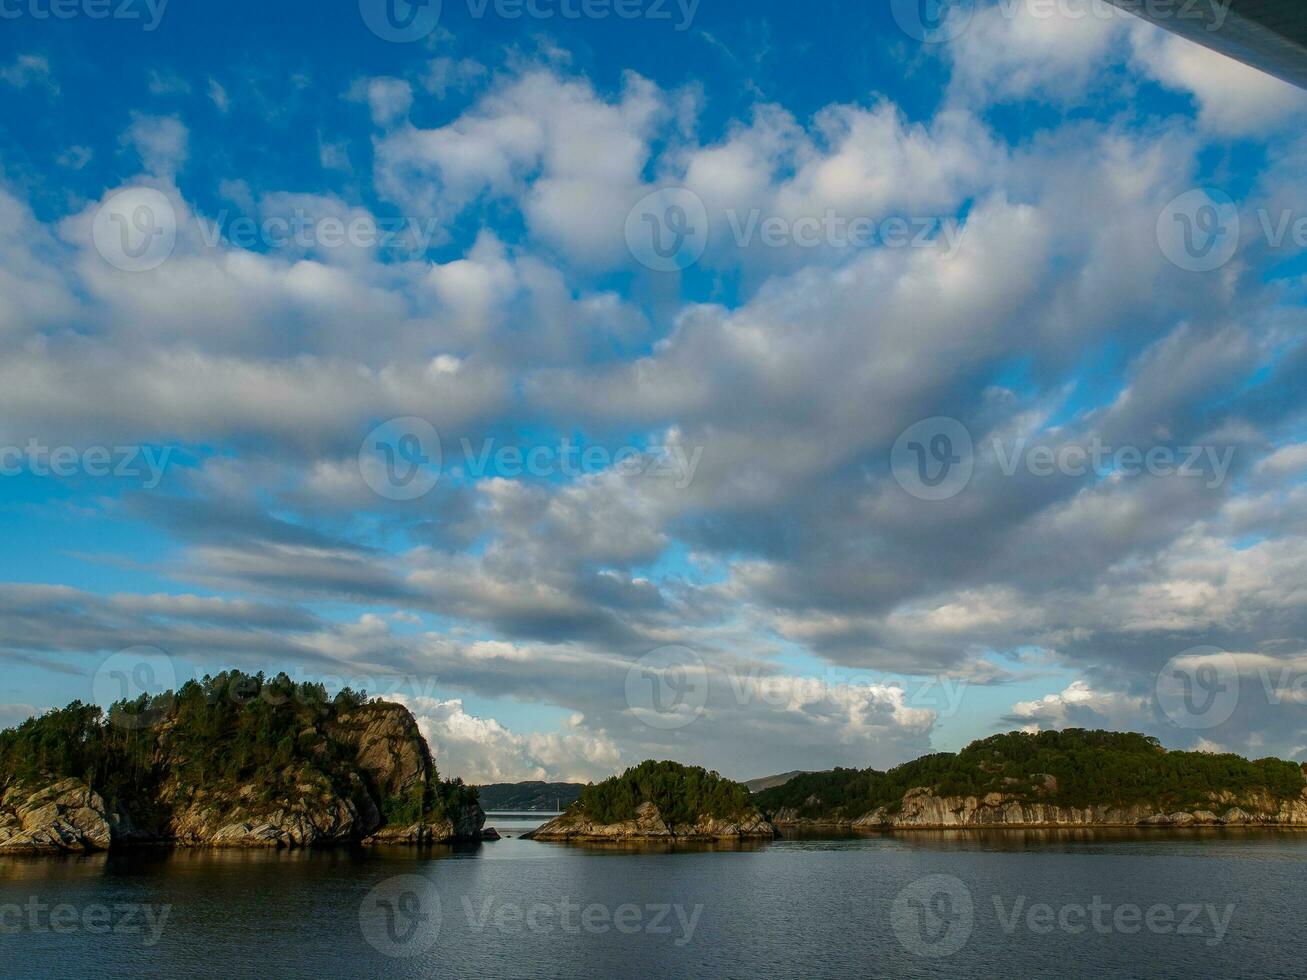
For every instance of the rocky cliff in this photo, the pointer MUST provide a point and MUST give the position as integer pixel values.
(649, 825)
(64, 816)
(921, 809)
(1066, 778)
(335, 773)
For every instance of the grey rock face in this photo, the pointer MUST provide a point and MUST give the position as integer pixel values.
(66, 816)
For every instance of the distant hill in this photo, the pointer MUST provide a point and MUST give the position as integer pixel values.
(532, 795)
(780, 779)
(1049, 778)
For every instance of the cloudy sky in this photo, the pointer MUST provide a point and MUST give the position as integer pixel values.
(751, 386)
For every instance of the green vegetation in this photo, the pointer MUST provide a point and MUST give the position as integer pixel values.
(682, 794)
(1088, 768)
(213, 737)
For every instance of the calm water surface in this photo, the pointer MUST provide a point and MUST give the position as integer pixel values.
(913, 905)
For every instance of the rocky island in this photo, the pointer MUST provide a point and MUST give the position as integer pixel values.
(662, 802)
(1070, 778)
(233, 760)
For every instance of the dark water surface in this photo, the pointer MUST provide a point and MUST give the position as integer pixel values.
(1014, 904)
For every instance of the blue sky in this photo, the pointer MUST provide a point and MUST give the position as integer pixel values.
(365, 362)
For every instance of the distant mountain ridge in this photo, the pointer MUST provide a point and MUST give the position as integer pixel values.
(532, 794)
(780, 779)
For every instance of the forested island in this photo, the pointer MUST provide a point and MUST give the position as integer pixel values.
(235, 759)
(1073, 777)
(659, 801)
(246, 760)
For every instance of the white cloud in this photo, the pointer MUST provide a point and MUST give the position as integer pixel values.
(1080, 706)
(388, 99)
(1032, 50)
(481, 750)
(160, 141)
(29, 70)
(1233, 99)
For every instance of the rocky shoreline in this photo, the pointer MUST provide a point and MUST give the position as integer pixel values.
(67, 817)
(649, 826)
(921, 809)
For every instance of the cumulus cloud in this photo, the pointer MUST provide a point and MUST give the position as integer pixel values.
(1079, 706)
(481, 750)
(514, 316)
